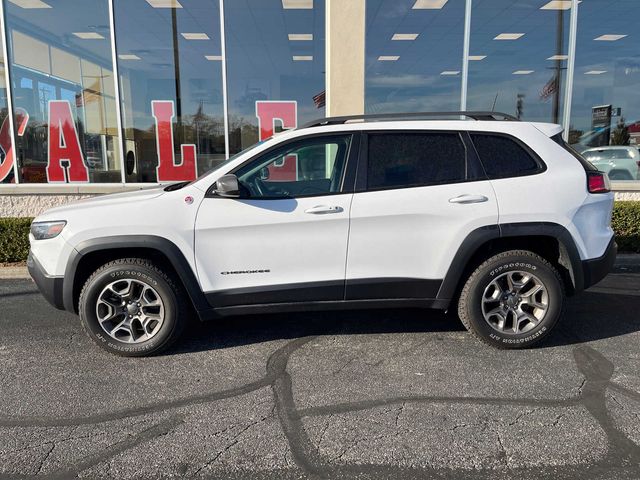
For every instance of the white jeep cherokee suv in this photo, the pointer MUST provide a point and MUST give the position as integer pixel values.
(495, 217)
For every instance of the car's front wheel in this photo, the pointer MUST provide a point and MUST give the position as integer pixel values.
(512, 300)
(130, 307)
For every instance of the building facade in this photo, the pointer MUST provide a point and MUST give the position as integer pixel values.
(105, 95)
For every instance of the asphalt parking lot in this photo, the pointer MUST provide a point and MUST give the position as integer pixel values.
(367, 394)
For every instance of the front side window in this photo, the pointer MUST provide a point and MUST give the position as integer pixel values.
(398, 160)
(308, 167)
(503, 157)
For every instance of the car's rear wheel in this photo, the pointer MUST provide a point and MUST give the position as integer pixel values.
(512, 300)
(132, 308)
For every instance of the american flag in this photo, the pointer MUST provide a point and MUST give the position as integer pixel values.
(320, 99)
(549, 89)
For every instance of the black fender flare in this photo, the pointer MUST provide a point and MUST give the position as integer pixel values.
(482, 235)
(124, 242)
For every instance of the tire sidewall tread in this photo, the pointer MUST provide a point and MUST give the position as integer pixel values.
(469, 304)
(172, 297)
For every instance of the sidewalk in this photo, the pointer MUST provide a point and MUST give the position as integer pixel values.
(20, 271)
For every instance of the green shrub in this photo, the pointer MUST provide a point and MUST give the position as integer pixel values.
(626, 225)
(14, 232)
(14, 239)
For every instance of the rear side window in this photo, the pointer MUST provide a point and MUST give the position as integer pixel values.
(504, 157)
(397, 160)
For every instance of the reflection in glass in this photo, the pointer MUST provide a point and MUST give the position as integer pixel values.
(518, 57)
(413, 55)
(273, 53)
(64, 53)
(606, 91)
(170, 54)
(6, 156)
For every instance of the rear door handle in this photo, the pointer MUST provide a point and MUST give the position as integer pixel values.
(323, 209)
(465, 199)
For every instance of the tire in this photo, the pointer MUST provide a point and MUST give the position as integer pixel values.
(135, 328)
(501, 305)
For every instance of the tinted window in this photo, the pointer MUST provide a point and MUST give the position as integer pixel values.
(313, 166)
(503, 157)
(413, 159)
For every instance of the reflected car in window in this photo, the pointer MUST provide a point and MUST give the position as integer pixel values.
(619, 162)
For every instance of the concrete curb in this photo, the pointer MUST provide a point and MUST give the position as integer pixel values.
(20, 272)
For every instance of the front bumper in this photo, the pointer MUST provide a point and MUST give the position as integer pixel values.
(50, 287)
(596, 269)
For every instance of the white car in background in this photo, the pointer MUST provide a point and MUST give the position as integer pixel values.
(619, 162)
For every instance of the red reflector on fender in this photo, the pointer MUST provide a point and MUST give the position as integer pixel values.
(598, 182)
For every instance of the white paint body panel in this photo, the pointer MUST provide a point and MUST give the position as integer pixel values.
(274, 235)
(145, 212)
(414, 232)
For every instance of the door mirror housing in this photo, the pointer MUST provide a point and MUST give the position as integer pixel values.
(227, 186)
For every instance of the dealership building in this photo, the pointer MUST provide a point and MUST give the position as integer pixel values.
(103, 96)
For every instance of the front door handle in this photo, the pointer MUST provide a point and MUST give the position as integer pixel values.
(465, 199)
(323, 209)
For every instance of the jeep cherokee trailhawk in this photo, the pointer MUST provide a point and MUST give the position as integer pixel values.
(472, 211)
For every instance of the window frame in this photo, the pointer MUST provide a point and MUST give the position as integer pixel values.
(347, 182)
(472, 161)
(542, 167)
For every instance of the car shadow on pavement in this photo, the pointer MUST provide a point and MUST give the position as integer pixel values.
(593, 315)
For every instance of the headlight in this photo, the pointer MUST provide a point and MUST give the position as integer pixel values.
(46, 230)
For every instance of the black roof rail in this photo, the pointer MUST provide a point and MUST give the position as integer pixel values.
(410, 115)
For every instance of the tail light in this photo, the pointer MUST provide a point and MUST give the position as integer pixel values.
(598, 182)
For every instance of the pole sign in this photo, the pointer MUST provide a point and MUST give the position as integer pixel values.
(600, 116)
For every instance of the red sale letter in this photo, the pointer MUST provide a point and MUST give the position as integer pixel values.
(286, 113)
(168, 170)
(64, 145)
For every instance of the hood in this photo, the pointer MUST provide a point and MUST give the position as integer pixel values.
(101, 200)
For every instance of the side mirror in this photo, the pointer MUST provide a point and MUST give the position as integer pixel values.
(227, 186)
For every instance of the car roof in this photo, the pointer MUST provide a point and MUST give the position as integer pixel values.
(611, 147)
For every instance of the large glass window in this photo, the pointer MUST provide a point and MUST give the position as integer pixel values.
(275, 66)
(170, 67)
(63, 91)
(518, 57)
(6, 149)
(605, 112)
(413, 55)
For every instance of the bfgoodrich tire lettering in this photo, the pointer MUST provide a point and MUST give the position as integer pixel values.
(164, 298)
(512, 300)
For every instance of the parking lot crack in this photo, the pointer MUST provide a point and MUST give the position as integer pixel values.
(46, 457)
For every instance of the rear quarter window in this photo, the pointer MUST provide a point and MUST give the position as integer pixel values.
(503, 156)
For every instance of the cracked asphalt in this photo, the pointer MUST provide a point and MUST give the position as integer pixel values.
(366, 394)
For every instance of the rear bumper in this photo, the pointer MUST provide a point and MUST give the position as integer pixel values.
(50, 287)
(596, 269)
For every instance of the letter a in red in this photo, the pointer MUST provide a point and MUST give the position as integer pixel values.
(64, 146)
(167, 170)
